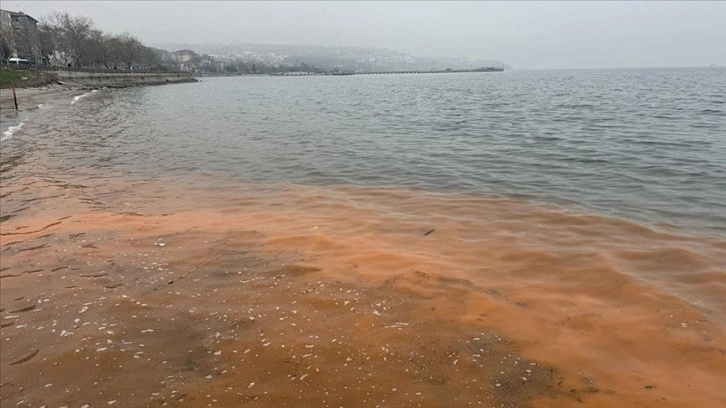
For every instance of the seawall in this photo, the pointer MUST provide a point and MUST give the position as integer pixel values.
(120, 80)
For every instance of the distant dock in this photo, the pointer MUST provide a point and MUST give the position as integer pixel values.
(440, 71)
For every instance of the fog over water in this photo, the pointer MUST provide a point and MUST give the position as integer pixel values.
(525, 35)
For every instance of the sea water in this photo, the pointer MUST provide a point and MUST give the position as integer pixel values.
(502, 239)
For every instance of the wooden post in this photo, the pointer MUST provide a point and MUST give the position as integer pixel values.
(15, 98)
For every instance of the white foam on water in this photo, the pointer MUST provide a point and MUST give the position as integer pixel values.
(79, 97)
(12, 130)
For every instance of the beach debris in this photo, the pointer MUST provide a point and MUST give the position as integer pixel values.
(26, 358)
(430, 231)
(198, 266)
(25, 309)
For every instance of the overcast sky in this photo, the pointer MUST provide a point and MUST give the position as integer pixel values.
(525, 35)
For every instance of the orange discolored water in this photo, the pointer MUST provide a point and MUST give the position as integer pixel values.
(202, 292)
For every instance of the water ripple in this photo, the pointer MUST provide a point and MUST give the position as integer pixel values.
(642, 144)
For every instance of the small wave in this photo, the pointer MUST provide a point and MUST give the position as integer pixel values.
(12, 130)
(79, 97)
(710, 112)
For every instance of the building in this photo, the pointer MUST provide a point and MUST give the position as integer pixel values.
(20, 38)
(6, 20)
(186, 60)
(184, 56)
(21, 20)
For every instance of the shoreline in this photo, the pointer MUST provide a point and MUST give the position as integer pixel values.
(278, 295)
(30, 98)
(65, 84)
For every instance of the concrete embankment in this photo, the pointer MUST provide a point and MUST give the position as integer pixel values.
(120, 80)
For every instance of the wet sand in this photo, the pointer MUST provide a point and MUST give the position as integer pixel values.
(65, 85)
(30, 98)
(206, 292)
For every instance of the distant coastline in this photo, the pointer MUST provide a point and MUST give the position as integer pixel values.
(433, 71)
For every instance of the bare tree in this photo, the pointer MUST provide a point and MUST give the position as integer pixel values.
(46, 44)
(94, 49)
(130, 48)
(69, 34)
(63, 39)
(6, 40)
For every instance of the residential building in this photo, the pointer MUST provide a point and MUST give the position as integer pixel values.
(184, 56)
(21, 20)
(20, 37)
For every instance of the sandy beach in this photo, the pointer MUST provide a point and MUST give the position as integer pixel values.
(30, 98)
(259, 299)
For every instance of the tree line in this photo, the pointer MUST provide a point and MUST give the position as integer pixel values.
(61, 39)
(64, 40)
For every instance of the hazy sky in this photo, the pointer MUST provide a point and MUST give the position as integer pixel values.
(523, 34)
